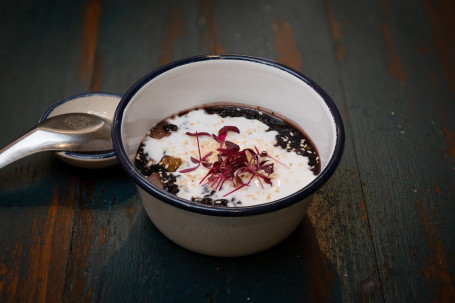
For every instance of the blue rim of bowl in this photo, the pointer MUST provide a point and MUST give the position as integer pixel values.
(87, 157)
(184, 204)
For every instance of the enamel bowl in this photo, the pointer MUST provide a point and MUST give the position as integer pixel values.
(100, 104)
(191, 82)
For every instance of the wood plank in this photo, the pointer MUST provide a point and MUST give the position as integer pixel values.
(40, 59)
(40, 62)
(395, 112)
(106, 213)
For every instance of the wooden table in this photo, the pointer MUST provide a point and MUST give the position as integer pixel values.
(382, 229)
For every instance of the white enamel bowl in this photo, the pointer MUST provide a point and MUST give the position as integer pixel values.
(100, 104)
(196, 81)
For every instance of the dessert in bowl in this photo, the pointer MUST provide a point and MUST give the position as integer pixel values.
(243, 156)
(171, 94)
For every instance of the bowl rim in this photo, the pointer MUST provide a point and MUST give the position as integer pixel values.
(184, 204)
(76, 155)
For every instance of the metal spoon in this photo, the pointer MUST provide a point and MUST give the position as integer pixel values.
(77, 132)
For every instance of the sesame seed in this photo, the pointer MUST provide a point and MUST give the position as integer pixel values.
(291, 133)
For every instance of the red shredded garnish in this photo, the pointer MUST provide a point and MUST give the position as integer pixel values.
(202, 160)
(232, 165)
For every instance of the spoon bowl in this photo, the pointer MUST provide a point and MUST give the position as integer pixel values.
(101, 104)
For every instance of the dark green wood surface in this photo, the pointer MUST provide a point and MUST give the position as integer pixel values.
(381, 230)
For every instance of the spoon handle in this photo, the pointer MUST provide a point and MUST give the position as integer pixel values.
(77, 132)
(34, 141)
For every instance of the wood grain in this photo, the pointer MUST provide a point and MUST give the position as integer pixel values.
(394, 140)
(380, 230)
